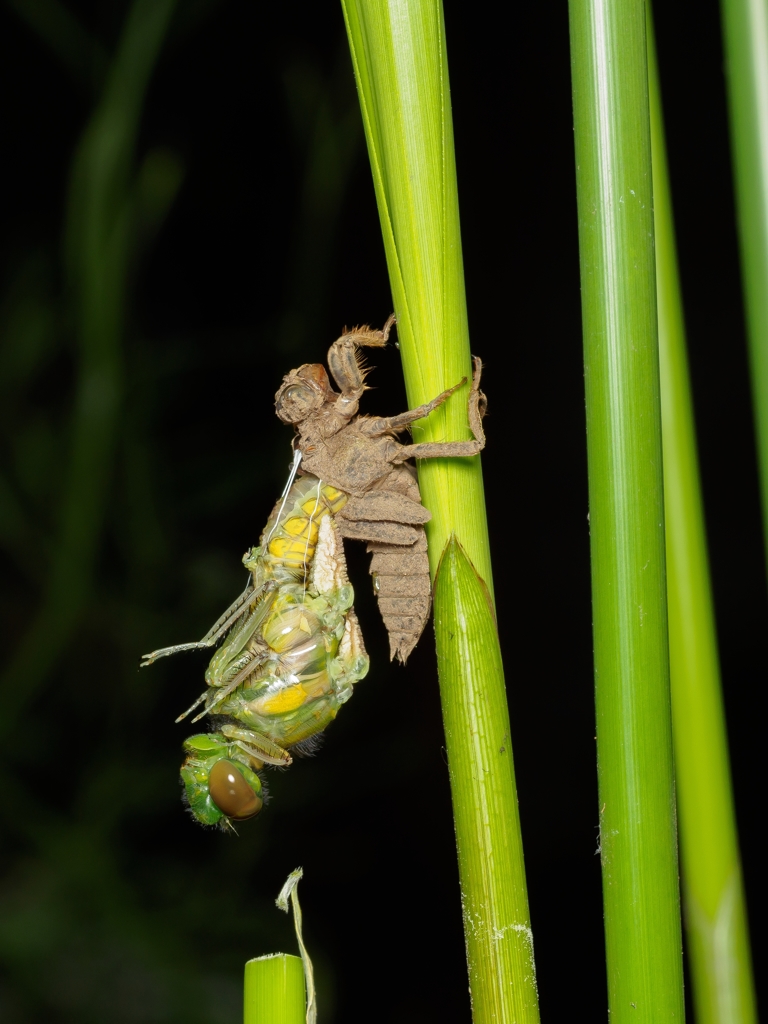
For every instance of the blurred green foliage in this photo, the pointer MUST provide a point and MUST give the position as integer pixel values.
(112, 905)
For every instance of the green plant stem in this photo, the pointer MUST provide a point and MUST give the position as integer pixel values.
(502, 973)
(712, 887)
(745, 24)
(274, 990)
(634, 733)
(399, 56)
(398, 51)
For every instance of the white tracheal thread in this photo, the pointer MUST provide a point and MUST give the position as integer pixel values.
(284, 495)
(309, 531)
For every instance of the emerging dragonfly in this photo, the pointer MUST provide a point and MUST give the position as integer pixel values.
(292, 648)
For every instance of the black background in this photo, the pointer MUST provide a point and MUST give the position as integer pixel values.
(113, 904)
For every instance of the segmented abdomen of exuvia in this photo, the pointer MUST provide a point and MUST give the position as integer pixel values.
(401, 577)
(290, 536)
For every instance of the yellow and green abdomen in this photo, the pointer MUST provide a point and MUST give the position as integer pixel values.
(290, 536)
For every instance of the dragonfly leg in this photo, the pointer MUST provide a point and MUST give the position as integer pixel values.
(223, 689)
(258, 746)
(447, 449)
(388, 424)
(346, 363)
(217, 695)
(235, 610)
(192, 707)
(222, 626)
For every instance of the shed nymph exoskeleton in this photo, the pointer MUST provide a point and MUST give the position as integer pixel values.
(361, 456)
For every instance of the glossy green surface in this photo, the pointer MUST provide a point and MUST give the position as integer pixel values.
(634, 731)
(745, 24)
(274, 990)
(400, 62)
(715, 919)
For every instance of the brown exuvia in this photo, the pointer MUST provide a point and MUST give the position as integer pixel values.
(361, 456)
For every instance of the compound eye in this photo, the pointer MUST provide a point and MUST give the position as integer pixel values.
(297, 395)
(231, 793)
(295, 403)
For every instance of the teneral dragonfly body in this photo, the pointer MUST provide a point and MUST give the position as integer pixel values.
(292, 652)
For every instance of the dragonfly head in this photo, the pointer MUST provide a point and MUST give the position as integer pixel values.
(219, 787)
(302, 393)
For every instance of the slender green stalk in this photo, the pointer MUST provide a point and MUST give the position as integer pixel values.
(274, 990)
(634, 731)
(399, 55)
(745, 24)
(289, 896)
(713, 891)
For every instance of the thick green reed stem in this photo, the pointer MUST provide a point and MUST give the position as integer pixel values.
(399, 55)
(502, 972)
(634, 729)
(274, 990)
(745, 24)
(713, 893)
